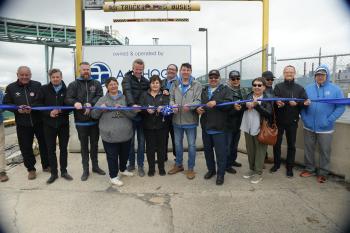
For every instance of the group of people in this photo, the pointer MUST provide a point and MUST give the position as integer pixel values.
(112, 118)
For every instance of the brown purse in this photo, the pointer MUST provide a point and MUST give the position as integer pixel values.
(268, 134)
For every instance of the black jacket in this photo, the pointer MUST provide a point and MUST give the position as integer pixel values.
(289, 114)
(83, 91)
(155, 120)
(47, 96)
(216, 118)
(264, 109)
(17, 94)
(133, 88)
(235, 117)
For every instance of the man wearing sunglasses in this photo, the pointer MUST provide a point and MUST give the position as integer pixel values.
(234, 122)
(287, 116)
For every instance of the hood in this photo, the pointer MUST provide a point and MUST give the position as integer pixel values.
(328, 75)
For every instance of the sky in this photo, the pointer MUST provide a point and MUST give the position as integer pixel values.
(297, 28)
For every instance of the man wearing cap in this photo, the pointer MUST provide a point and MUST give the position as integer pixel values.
(269, 78)
(287, 117)
(319, 119)
(235, 119)
(213, 122)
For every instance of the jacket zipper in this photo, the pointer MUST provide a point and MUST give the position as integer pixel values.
(56, 105)
(30, 114)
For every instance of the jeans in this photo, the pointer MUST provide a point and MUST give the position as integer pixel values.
(191, 134)
(114, 152)
(291, 133)
(232, 143)
(85, 133)
(138, 130)
(51, 135)
(25, 136)
(218, 142)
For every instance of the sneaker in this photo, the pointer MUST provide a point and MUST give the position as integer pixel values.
(249, 174)
(256, 179)
(306, 174)
(176, 169)
(274, 169)
(321, 179)
(131, 168)
(141, 172)
(190, 174)
(3, 177)
(116, 181)
(126, 173)
(31, 175)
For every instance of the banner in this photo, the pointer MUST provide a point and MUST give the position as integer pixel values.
(116, 60)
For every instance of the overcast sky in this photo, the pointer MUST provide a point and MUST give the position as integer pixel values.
(297, 28)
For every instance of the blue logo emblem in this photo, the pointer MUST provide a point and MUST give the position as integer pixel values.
(100, 71)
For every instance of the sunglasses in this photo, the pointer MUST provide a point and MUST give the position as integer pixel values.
(213, 77)
(269, 79)
(257, 85)
(235, 78)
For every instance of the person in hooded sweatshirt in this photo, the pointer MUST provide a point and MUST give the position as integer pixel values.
(287, 117)
(116, 131)
(319, 119)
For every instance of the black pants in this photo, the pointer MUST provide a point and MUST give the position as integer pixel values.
(117, 156)
(86, 133)
(155, 142)
(170, 130)
(291, 132)
(51, 135)
(25, 136)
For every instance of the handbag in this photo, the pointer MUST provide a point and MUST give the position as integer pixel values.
(268, 133)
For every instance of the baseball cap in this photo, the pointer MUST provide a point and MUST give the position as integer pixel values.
(214, 72)
(268, 74)
(234, 73)
(321, 70)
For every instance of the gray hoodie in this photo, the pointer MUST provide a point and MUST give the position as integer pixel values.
(115, 126)
(191, 96)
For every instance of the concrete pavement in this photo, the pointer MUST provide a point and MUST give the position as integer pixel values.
(171, 203)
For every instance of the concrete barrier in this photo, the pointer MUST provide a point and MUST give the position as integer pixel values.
(340, 158)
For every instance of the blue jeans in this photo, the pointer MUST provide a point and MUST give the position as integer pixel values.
(232, 143)
(138, 130)
(117, 156)
(218, 142)
(191, 134)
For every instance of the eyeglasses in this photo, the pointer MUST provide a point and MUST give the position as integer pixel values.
(235, 78)
(257, 85)
(213, 77)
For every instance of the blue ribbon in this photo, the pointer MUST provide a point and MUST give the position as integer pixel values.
(168, 110)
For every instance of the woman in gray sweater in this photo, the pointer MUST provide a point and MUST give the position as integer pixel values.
(115, 129)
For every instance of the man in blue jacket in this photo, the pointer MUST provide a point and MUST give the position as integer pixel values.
(319, 121)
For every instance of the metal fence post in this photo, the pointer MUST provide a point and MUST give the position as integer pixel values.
(334, 68)
(273, 64)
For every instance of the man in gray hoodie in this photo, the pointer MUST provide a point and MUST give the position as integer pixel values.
(184, 93)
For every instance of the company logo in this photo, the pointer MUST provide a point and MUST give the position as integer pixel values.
(100, 71)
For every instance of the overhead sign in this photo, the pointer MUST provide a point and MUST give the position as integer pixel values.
(151, 20)
(165, 6)
(116, 60)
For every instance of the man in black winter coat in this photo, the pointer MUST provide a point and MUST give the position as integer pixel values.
(287, 117)
(134, 84)
(28, 123)
(213, 122)
(56, 122)
(85, 92)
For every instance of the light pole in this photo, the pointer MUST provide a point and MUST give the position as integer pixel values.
(206, 48)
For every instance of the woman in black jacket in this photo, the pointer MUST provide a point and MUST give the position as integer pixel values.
(154, 125)
(254, 112)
